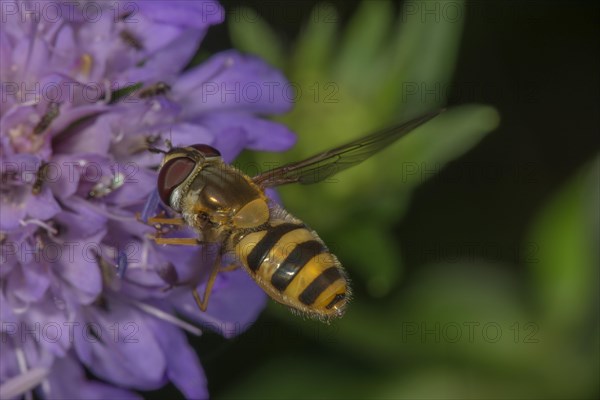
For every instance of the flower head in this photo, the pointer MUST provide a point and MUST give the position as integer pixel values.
(86, 88)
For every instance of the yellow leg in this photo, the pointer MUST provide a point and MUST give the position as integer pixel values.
(178, 241)
(203, 302)
(166, 221)
(229, 268)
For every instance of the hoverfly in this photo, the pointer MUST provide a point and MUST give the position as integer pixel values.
(283, 255)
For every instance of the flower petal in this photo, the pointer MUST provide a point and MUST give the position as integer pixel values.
(183, 366)
(29, 282)
(197, 14)
(235, 82)
(259, 134)
(79, 222)
(235, 303)
(93, 138)
(169, 61)
(67, 381)
(22, 383)
(10, 214)
(49, 325)
(42, 206)
(123, 350)
(137, 185)
(78, 266)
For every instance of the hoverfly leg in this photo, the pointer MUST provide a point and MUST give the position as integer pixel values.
(162, 225)
(202, 305)
(166, 221)
(176, 241)
(203, 302)
(229, 268)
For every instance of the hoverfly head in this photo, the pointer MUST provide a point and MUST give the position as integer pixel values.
(177, 166)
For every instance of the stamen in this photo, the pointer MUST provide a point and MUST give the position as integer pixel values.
(107, 91)
(205, 316)
(158, 313)
(22, 363)
(51, 230)
(146, 246)
(23, 383)
(86, 62)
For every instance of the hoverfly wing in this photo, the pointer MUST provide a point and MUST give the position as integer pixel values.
(324, 165)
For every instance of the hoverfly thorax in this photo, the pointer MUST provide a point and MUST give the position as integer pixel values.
(195, 182)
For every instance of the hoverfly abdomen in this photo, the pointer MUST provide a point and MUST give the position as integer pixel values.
(294, 266)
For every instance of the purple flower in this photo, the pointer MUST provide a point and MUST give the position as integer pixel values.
(82, 284)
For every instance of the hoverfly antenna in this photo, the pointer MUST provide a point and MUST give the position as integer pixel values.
(156, 150)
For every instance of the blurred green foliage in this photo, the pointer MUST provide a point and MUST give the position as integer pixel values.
(461, 329)
(349, 83)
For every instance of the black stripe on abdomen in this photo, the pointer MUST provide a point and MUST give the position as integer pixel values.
(318, 286)
(294, 262)
(264, 245)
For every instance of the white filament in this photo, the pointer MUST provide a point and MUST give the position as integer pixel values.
(39, 223)
(158, 313)
(23, 383)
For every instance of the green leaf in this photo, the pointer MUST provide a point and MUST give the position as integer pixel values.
(455, 382)
(467, 316)
(422, 58)
(421, 321)
(119, 94)
(303, 377)
(566, 264)
(376, 261)
(443, 139)
(314, 48)
(362, 42)
(250, 33)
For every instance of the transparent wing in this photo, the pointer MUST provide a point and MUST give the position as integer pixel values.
(323, 165)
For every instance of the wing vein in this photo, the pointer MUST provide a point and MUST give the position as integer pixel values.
(328, 163)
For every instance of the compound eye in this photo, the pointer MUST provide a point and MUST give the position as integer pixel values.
(171, 175)
(206, 150)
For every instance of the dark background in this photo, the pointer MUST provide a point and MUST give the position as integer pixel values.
(538, 64)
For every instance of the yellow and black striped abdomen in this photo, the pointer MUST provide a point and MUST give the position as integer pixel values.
(291, 263)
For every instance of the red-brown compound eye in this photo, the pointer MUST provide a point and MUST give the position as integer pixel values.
(206, 150)
(171, 175)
